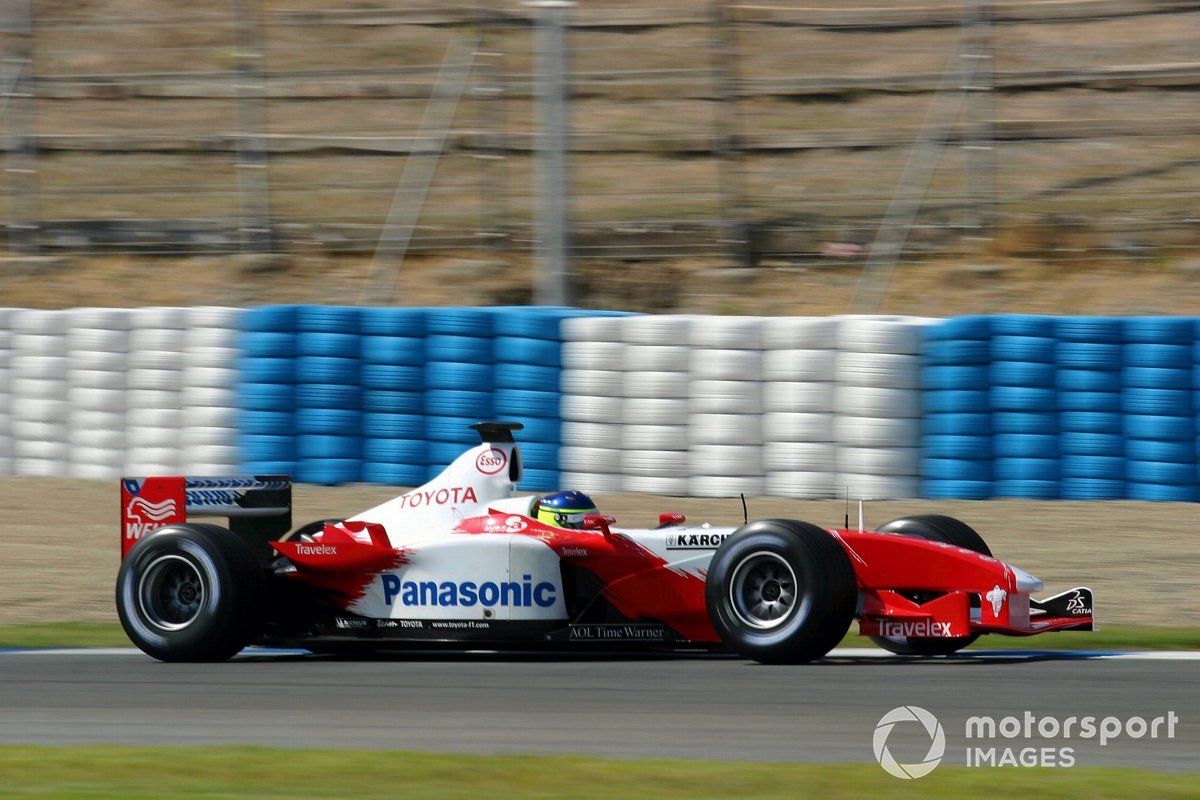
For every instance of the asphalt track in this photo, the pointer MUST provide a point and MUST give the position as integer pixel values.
(700, 707)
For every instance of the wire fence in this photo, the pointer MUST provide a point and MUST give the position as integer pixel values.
(748, 134)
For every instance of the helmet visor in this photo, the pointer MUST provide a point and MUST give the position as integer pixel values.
(565, 517)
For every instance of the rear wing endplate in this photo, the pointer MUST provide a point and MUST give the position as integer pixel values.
(258, 507)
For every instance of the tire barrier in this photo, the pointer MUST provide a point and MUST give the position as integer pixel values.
(1158, 407)
(653, 406)
(97, 365)
(1076, 408)
(593, 385)
(877, 401)
(1024, 404)
(1089, 359)
(956, 429)
(459, 379)
(392, 354)
(528, 375)
(6, 435)
(40, 409)
(208, 433)
(724, 407)
(799, 371)
(154, 397)
(265, 392)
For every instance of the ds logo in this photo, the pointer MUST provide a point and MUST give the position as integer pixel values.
(491, 461)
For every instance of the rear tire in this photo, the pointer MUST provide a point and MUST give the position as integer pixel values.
(934, 528)
(190, 592)
(781, 592)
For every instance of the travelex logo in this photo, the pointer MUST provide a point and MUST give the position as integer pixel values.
(937, 742)
(520, 594)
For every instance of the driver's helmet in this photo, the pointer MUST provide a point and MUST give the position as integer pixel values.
(564, 509)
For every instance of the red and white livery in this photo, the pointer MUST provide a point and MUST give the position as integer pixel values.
(461, 560)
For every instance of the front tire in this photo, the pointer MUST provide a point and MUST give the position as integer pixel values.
(190, 593)
(781, 592)
(934, 528)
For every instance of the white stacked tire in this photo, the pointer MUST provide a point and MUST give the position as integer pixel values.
(798, 380)
(40, 408)
(154, 397)
(97, 364)
(654, 410)
(592, 386)
(725, 423)
(6, 441)
(209, 407)
(878, 408)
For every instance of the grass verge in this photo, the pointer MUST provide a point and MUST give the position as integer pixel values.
(1116, 637)
(64, 634)
(133, 773)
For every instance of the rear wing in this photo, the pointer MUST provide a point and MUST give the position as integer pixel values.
(258, 508)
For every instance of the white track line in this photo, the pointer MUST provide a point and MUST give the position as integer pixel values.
(842, 652)
(1108, 655)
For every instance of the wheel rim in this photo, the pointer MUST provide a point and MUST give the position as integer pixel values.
(763, 592)
(170, 593)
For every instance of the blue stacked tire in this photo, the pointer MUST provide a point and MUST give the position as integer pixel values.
(956, 425)
(393, 423)
(1024, 404)
(328, 395)
(1157, 399)
(458, 379)
(265, 390)
(528, 353)
(1090, 360)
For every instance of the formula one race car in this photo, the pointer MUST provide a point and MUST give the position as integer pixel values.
(459, 560)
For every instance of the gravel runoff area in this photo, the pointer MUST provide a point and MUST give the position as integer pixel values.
(61, 552)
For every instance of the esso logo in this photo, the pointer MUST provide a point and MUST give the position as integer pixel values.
(491, 461)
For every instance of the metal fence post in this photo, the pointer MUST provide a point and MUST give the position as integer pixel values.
(254, 194)
(979, 139)
(944, 109)
(731, 177)
(18, 110)
(491, 150)
(552, 278)
(417, 178)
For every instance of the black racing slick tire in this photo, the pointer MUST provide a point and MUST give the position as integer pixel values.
(190, 592)
(935, 528)
(781, 592)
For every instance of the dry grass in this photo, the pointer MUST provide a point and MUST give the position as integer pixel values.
(1078, 216)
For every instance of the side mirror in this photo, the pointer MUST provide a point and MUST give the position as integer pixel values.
(598, 522)
(671, 519)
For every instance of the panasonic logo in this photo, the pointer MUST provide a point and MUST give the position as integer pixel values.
(924, 629)
(522, 594)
